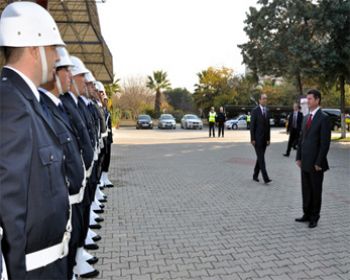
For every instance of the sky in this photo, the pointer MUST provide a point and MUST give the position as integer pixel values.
(181, 37)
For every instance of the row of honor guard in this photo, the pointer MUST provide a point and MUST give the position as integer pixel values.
(55, 145)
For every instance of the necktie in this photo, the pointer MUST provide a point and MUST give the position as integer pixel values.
(309, 121)
(295, 120)
(264, 112)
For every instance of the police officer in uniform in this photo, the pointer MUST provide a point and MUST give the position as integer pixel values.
(74, 166)
(106, 161)
(34, 209)
(212, 119)
(70, 100)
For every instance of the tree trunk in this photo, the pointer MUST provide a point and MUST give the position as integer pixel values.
(299, 83)
(342, 105)
(157, 103)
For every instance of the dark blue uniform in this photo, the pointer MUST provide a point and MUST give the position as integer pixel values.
(34, 207)
(75, 172)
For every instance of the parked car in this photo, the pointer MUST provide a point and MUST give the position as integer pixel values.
(144, 121)
(237, 123)
(334, 117)
(191, 121)
(167, 121)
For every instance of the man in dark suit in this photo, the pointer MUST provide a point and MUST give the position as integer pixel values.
(312, 157)
(260, 137)
(34, 208)
(293, 128)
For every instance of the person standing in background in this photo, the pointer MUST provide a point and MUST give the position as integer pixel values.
(220, 119)
(211, 120)
(293, 128)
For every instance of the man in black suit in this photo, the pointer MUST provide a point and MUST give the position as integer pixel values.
(260, 137)
(293, 128)
(34, 208)
(311, 157)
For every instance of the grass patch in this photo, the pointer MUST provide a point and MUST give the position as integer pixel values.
(338, 139)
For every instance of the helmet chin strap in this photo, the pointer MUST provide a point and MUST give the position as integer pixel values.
(44, 70)
(75, 87)
(59, 85)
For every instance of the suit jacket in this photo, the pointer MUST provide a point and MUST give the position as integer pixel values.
(34, 206)
(260, 127)
(73, 164)
(79, 124)
(299, 121)
(314, 143)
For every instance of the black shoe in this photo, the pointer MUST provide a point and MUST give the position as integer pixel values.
(96, 238)
(91, 247)
(92, 260)
(303, 219)
(268, 181)
(99, 211)
(256, 179)
(102, 200)
(286, 155)
(96, 226)
(91, 274)
(99, 220)
(110, 186)
(313, 224)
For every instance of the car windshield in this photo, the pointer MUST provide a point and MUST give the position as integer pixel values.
(192, 117)
(166, 117)
(144, 118)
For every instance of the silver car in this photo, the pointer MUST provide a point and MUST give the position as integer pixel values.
(191, 121)
(167, 121)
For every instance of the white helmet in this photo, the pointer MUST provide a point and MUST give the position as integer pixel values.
(100, 86)
(78, 66)
(26, 24)
(64, 57)
(89, 78)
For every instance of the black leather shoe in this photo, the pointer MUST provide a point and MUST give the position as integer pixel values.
(303, 219)
(91, 247)
(268, 181)
(110, 186)
(286, 155)
(99, 220)
(256, 179)
(99, 211)
(92, 260)
(96, 226)
(102, 200)
(313, 224)
(96, 238)
(91, 274)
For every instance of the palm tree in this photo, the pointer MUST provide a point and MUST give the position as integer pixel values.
(158, 82)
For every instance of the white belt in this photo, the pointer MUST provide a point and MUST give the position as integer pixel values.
(77, 198)
(49, 255)
(108, 130)
(89, 171)
(105, 134)
(3, 274)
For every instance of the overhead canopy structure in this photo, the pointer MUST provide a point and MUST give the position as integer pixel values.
(80, 28)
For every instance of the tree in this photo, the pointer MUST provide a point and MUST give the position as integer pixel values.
(135, 97)
(333, 23)
(215, 88)
(281, 40)
(158, 82)
(112, 88)
(180, 99)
